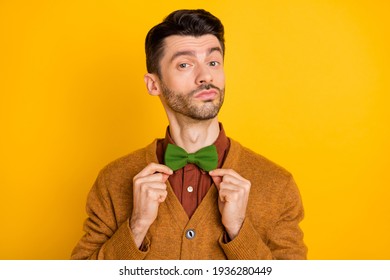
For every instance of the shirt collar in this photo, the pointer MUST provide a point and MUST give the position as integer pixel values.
(222, 143)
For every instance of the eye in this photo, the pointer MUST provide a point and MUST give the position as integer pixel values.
(183, 65)
(214, 63)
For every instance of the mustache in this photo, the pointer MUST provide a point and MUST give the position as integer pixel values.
(204, 87)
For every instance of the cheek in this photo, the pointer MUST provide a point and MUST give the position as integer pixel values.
(180, 81)
(219, 80)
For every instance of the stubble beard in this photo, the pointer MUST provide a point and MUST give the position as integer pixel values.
(184, 104)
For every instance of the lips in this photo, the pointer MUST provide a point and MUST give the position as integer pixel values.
(206, 94)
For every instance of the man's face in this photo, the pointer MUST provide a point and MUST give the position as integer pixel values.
(192, 76)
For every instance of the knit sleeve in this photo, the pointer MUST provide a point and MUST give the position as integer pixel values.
(247, 245)
(104, 238)
(285, 238)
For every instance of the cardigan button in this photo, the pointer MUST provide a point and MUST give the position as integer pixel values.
(190, 234)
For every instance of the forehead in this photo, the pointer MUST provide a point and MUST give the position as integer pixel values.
(201, 44)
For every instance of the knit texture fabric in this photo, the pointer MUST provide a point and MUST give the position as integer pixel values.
(270, 230)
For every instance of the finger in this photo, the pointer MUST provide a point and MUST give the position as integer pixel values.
(227, 186)
(222, 172)
(228, 181)
(152, 185)
(156, 194)
(226, 195)
(165, 177)
(232, 180)
(230, 176)
(163, 196)
(152, 168)
(217, 180)
(230, 195)
(217, 176)
(156, 177)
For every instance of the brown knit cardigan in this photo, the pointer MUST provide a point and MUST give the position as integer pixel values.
(270, 230)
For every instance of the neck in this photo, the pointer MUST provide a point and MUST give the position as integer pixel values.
(192, 135)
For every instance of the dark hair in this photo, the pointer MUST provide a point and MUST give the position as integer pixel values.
(181, 22)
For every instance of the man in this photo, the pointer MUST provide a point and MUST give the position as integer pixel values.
(195, 194)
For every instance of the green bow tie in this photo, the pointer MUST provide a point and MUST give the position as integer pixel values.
(176, 157)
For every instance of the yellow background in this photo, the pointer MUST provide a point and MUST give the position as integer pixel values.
(307, 86)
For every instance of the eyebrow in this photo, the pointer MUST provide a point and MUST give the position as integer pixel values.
(192, 53)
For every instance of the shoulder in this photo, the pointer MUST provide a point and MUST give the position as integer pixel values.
(126, 167)
(256, 166)
(272, 186)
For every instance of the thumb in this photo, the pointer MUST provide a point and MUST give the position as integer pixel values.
(217, 180)
(165, 177)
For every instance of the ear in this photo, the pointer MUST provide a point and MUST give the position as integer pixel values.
(152, 84)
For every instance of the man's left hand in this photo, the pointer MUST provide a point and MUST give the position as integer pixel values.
(233, 198)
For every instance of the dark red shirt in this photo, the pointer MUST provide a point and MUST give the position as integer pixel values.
(190, 183)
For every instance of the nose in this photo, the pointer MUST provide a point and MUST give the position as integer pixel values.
(204, 75)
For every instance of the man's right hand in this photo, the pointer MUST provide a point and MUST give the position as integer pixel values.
(149, 190)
